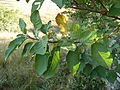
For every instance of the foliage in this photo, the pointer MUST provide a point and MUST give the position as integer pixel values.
(8, 20)
(92, 34)
(18, 73)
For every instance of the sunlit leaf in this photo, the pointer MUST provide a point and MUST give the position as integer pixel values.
(36, 20)
(59, 3)
(36, 5)
(22, 25)
(53, 62)
(13, 45)
(101, 55)
(40, 46)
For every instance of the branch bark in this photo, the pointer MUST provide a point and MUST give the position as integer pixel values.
(96, 11)
(100, 1)
(88, 9)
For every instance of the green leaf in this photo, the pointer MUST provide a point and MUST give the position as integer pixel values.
(83, 35)
(35, 19)
(118, 68)
(40, 46)
(26, 48)
(73, 58)
(41, 63)
(45, 27)
(99, 71)
(88, 59)
(13, 45)
(53, 62)
(22, 25)
(101, 55)
(36, 5)
(87, 70)
(59, 3)
(115, 9)
(111, 76)
(81, 67)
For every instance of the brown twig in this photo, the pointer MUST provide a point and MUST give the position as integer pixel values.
(88, 9)
(96, 11)
(76, 3)
(100, 1)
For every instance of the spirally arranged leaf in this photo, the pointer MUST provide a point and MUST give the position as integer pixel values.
(22, 25)
(73, 58)
(36, 20)
(53, 62)
(59, 3)
(41, 63)
(26, 48)
(37, 5)
(101, 54)
(40, 47)
(13, 45)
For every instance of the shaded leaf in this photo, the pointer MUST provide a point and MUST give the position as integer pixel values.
(99, 71)
(118, 68)
(82, 66)
(45, 27)
(115, 9)
(41, 63)
(72, 58)
(26, 48)
(87, 70)
(111, 76)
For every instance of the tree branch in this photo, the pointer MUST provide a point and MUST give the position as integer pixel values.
(88, 9)
(96, 11)
(100, 1)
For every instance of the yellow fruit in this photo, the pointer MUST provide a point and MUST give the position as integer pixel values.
(61, 21)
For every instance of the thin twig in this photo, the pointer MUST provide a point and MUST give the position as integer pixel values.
(100, 1)
(96, 11)
(32, 38)
(88, 9)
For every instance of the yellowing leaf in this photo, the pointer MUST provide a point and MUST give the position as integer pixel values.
(61, 21)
